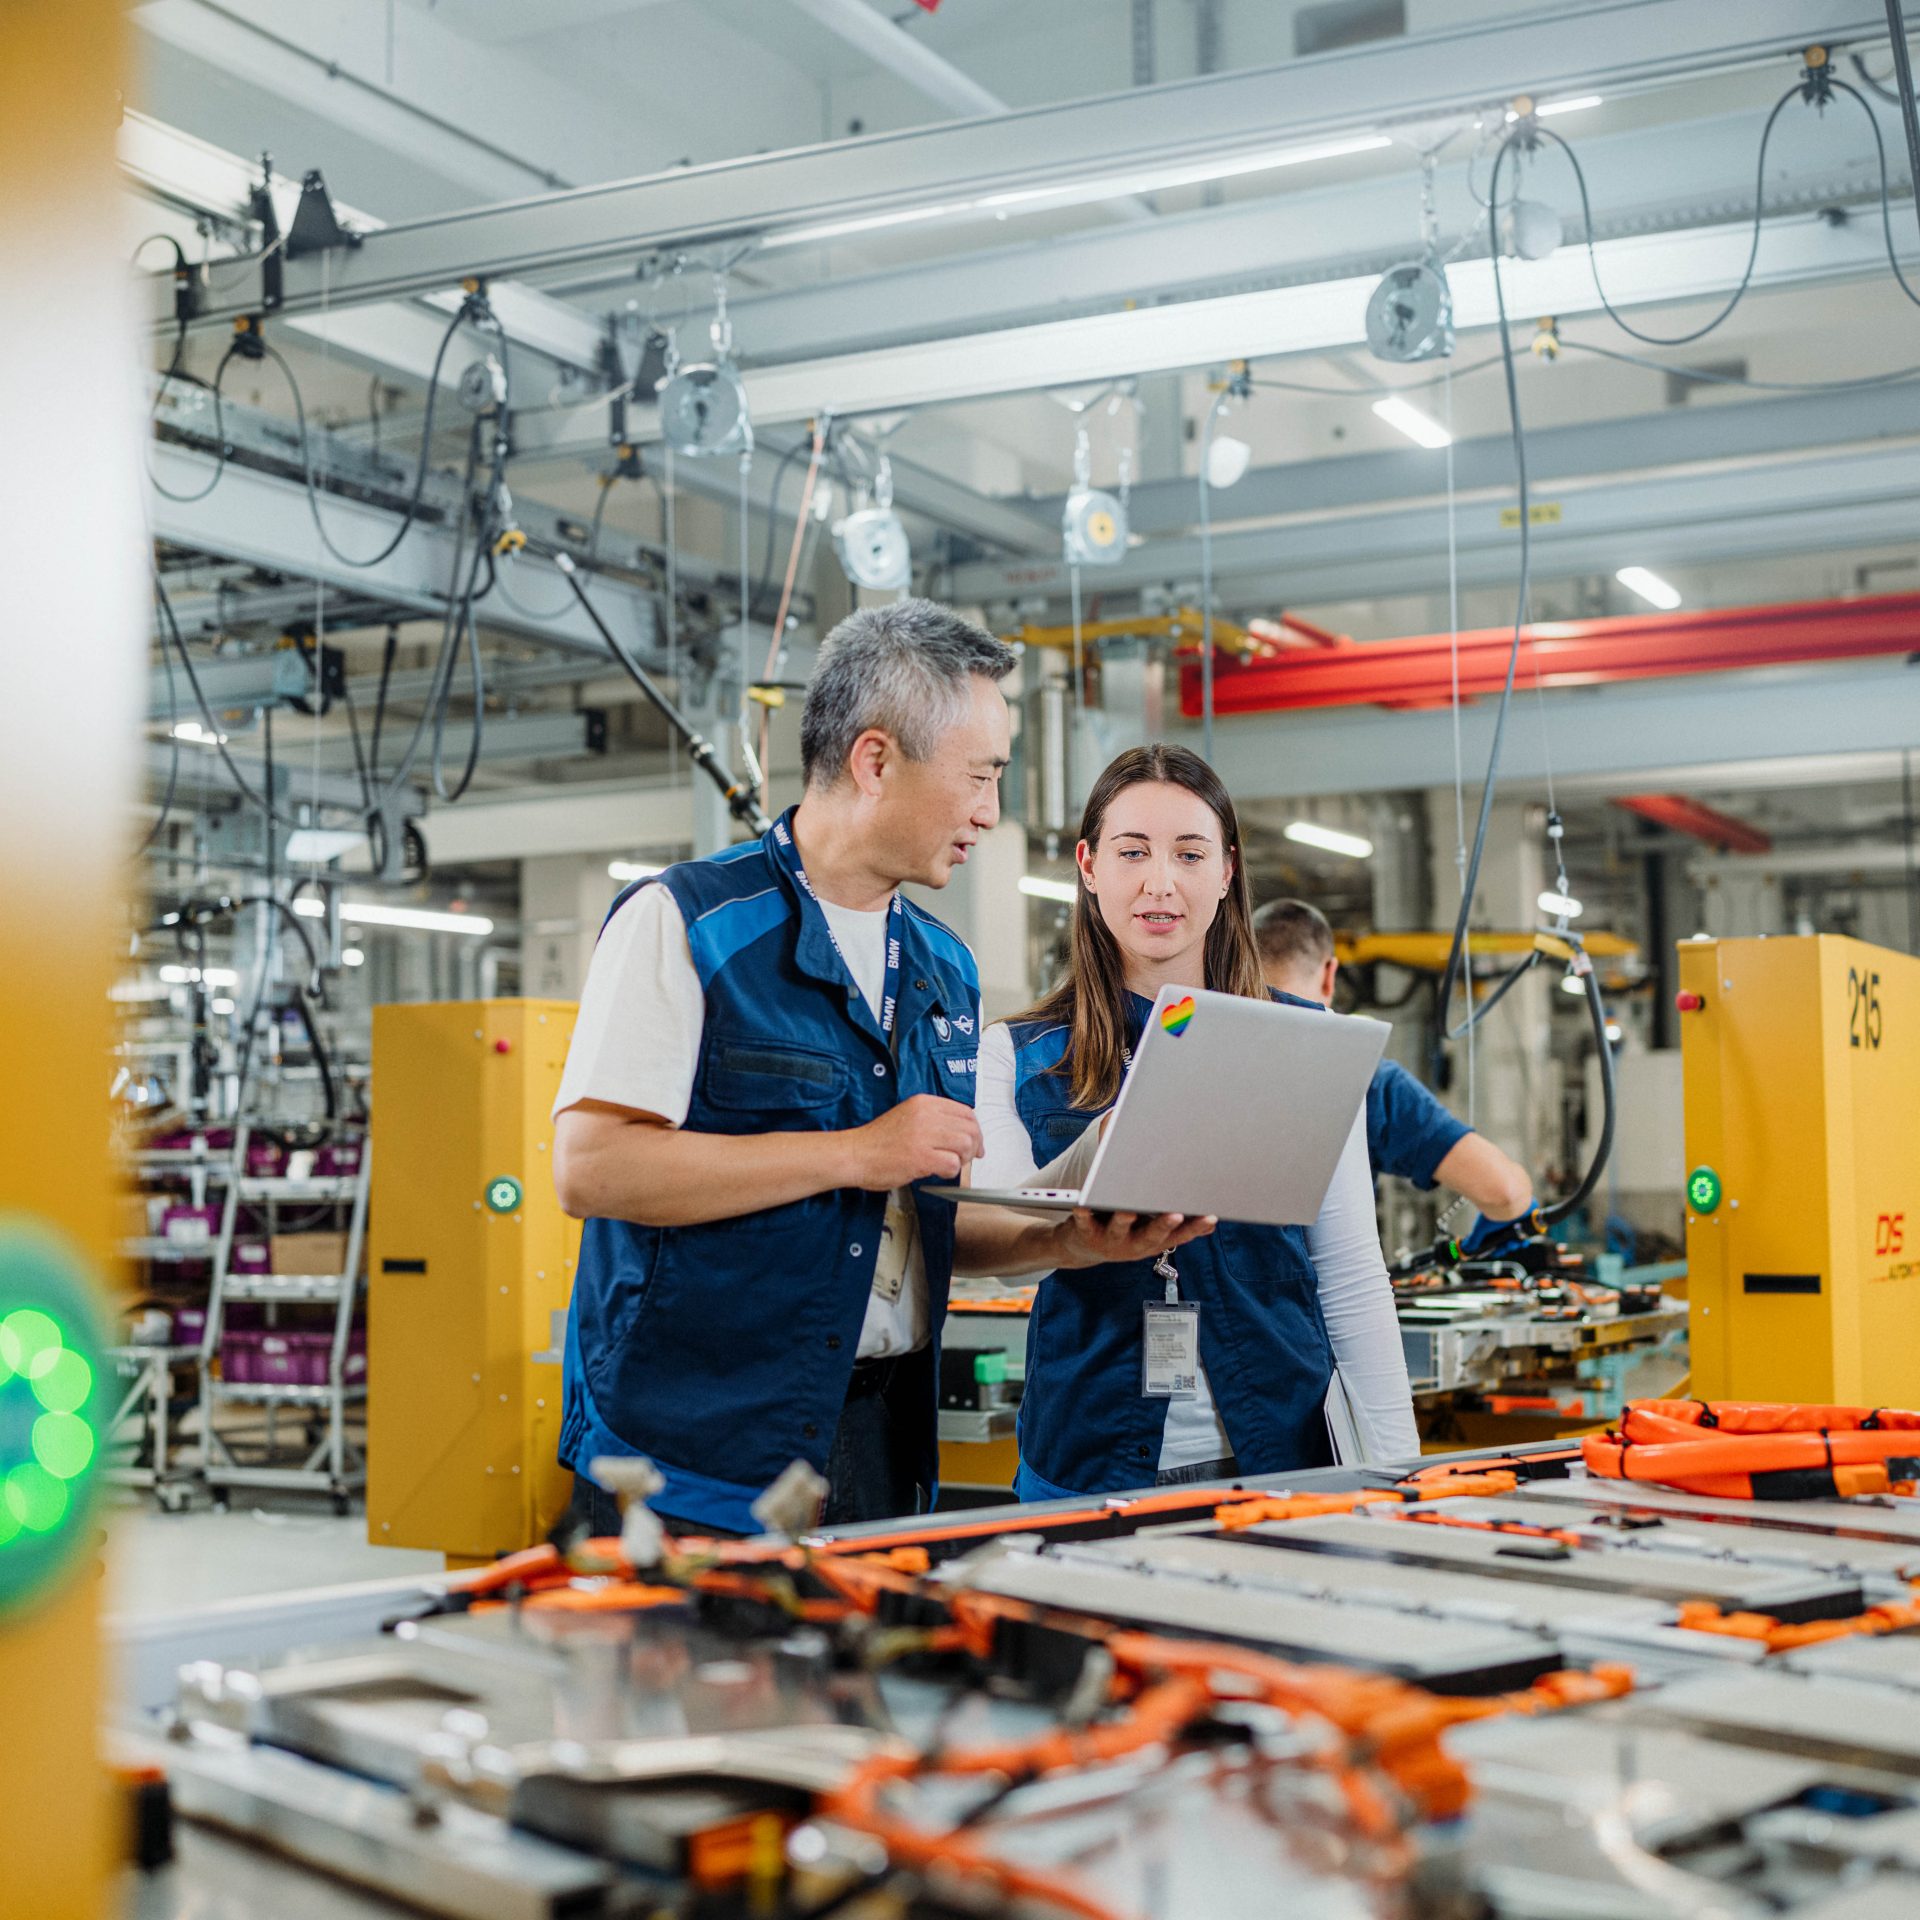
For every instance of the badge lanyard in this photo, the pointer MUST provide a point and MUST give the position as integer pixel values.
(1164, 1266)
(899, 1219)
(1170, 1328)
(789, 856)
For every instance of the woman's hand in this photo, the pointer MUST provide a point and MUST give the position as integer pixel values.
(1088, 1239)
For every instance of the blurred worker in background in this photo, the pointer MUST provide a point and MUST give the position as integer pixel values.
(1409, 1133)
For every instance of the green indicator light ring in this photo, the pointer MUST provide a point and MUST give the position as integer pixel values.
(52, 1411)
(1703, 1190)
(503, 1194)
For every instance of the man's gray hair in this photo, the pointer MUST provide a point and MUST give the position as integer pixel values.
(902, 669)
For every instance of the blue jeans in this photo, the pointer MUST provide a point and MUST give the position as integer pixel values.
(871, 1470)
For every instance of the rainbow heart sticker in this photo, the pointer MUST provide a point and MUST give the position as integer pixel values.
(1175, 1016)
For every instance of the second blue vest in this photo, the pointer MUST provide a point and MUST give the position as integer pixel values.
(1084, 1423)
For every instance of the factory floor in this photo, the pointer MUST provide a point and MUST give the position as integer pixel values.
(176, 1562)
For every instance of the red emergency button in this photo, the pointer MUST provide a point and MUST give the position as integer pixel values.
(1689, 1002)
(503, 1046)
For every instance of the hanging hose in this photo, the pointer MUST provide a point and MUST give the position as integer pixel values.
(1538, 1220)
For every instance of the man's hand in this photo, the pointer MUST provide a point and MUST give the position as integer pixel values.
(922, 1138)
(1086, 1239)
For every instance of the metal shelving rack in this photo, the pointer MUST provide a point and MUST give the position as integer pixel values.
(332, 1464)
(143, 1414)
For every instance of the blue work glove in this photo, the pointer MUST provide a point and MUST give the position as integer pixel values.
(1497, 1233)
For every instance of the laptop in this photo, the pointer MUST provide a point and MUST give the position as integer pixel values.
(1233, 1107)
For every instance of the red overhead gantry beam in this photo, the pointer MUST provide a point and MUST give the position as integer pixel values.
(1564, 653)
(1682, 815)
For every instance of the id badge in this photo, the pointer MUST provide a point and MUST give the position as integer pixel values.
(1170, 1350)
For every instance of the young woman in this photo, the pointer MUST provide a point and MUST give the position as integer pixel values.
(1164, 902)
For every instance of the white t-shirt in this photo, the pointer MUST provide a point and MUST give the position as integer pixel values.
(636, 1043)
(1355, 1298)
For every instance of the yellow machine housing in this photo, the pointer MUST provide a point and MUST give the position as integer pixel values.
(470, 1272)
(1802, 1069)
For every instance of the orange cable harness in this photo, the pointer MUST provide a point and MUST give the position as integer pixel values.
(1385, 1751)
(1783, 1636)
(1754, 1450)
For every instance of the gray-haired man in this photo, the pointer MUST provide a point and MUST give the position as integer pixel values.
(772, 1048)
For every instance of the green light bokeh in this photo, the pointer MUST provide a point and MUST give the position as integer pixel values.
(25, 1334)
(61, 1381)
(63, 1444)
(38, 1500)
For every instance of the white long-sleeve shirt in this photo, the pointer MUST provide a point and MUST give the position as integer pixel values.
(1356, 1300)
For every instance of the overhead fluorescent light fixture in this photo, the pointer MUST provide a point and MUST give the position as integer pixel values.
(632, 870)
(1563, 904)
(1650, 587)
(1192, 173)
(208, 977)
(1578, 103)
(352, 957)
(1038, 887)
(223, 1006)
(1074, 193)
(193, 732)
(369, 913)
(314, 846)
(1408, 419)
(1310, 833)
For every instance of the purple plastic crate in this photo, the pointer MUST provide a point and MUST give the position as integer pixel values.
(189, 1326)
(240, 1357)
(250, 1256)
(265, 1159)
(338, 1159)
(187, 1226)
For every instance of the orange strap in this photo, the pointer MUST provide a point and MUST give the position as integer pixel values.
(1719, 1448)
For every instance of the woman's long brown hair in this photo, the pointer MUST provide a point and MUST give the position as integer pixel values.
(1092, 999)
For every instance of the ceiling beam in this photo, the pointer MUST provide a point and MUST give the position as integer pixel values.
(1835, 500)
(564, 735)
(1692, 264)
(1638, 443)
(627, 818)
(265, 521)
(1676, 175)
(1601, 46)
(1622, 737)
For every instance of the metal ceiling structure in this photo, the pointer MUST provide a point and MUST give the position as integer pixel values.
(968, 307)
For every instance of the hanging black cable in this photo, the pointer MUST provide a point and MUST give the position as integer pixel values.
(1899, 376)
(219, 421)
(1909, 115)
(1886, 196)
(1534, 129)
(1445, 1252)
(207, 719)
(1507, 982)
(1471, 879)
(472, 307)
(173, 758)
(743, 799)
(380, 701)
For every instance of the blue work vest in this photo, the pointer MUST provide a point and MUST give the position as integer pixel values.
(722, 1352)
(1085, 1426)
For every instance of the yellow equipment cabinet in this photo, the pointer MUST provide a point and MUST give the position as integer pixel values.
(1802, 1066)
(470, 1273)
